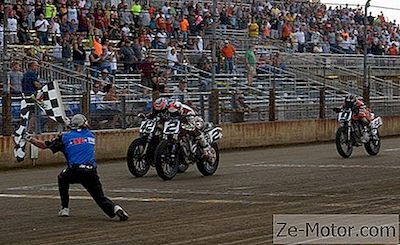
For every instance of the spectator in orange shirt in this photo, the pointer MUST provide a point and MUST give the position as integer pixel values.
(97, 45)
(286, 31)
(184, 25)
(228, 52)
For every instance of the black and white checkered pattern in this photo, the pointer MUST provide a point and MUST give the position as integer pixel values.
(49, 100)
(19, 149)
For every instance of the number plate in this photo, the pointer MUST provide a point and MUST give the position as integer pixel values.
(345, 116)
(377, 122)
(215, 134)
(148, 126)
(172, 127)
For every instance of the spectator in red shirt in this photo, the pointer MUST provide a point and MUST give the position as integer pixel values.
(393, 50)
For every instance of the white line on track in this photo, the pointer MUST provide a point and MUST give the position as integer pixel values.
(135, 199)
(281, 165)
(393, 149)
(166, 191)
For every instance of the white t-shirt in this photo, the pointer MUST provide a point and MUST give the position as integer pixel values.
(57, 51)
(42, 25)
(72, 14)
(165, 9)
(162, 37)
(113, 62)
(12, 25)
(56, 29)
(1, 36)
(172, 58)
(300, 36)
(82, 3)
(126, 30)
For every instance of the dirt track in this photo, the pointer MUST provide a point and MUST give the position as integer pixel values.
(233, 207)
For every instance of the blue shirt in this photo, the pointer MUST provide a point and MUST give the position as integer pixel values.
(28, 82)
(77, 146)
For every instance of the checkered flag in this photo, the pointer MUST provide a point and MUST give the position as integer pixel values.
(19, 149)
(49, 100)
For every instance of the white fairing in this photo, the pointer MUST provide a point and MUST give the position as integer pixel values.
(215, 134)
(377, 122)
(148, 126)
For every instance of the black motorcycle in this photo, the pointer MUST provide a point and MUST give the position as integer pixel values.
(140, 154)
(353, 133)
(178, 149)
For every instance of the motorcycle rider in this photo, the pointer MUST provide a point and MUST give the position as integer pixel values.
(361, 113)
(160, 108)
(192, 123)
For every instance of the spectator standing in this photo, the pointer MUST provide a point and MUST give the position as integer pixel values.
(114, 60)
(128, 57)
(16, 78)
(184, 27)
(30, 84)
(95, 62)
(41, 26)
(253, 29)
(301, 39)
(146, 69)
(136, 11)
(78, 54)
(58, 49)
(172, 57)
(12, 26)
(30, 81)
(50, 11)
(228, 52)
(198, 44)
(73, 13)
(251, 65)
(66, 52)
(97, 45)
(1, 33)
(22, 33)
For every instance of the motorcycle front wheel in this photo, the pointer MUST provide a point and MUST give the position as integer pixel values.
(136, 158)
(343, 145)
(373, 146)
(166, 162)
(209, 167)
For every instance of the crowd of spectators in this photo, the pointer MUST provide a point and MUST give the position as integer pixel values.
(106, 33)
(314, 27)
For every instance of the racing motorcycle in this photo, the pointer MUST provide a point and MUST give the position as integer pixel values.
(178, 149)
(351, 133)
(141, 151)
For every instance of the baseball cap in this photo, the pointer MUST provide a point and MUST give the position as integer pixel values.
(78, 121)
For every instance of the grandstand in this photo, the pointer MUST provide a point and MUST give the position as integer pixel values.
(297, 81)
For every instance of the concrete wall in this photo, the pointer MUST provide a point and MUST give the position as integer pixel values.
(113, 144)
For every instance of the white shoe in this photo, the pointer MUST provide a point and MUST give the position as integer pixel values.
(122, 215)
(64, 212)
